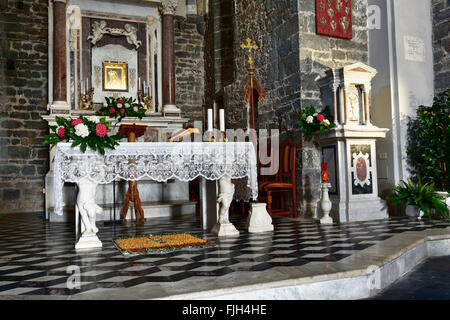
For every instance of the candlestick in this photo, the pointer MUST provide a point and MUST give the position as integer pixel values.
(210, 120)
(222, 119)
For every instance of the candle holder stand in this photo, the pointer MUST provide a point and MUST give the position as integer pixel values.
(86, 100)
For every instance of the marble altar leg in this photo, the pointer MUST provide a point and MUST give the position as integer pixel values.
(208, 206)
(223, 227)
(259, 219)
(88, 210)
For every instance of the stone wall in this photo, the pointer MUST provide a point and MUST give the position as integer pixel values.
(441, 44)
(23, 99)
(189, 66)
(219, 50)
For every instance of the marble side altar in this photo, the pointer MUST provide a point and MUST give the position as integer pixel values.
(350, 147)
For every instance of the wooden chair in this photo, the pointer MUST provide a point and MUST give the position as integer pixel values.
(285, 181)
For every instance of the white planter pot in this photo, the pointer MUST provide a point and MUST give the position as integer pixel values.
(414, 212)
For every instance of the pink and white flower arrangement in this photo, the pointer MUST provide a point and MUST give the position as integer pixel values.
(120, 108)
(83, 132)
(312, 121)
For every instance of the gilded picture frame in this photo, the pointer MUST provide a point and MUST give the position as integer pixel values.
(115, 76)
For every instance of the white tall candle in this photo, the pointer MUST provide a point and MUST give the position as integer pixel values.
(210, 120)
(139, 83)
(145, 88)
(222, 119)
(82, 87)
(87, 84)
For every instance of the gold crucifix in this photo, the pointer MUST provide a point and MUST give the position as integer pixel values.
(250, 47)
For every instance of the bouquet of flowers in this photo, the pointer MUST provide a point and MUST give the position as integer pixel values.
(120, 108)
(312, 121)
(92, 133)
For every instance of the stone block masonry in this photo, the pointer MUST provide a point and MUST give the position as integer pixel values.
(441, 44)
(23, 99)
(189, 66)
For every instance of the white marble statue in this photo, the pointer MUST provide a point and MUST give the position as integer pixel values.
(131, 34)
(223, 226)
(88, 211)
(98, 30)
(224, 199)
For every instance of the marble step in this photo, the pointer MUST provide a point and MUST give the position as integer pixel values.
(152, 209)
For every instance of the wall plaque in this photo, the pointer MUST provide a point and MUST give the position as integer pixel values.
(334, 18)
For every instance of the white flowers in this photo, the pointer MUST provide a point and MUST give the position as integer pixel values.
(119, 105)
(309, 119)
(326, 122)
(135, 109)
(81, 130)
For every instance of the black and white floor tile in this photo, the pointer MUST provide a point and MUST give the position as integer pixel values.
(37, 257)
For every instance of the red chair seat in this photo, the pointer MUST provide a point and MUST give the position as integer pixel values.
(278, 185)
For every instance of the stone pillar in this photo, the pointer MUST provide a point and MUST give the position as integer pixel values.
(59, 104)
(168, 9)
(335, 103)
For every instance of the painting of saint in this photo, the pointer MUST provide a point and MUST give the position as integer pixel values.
(115, 76)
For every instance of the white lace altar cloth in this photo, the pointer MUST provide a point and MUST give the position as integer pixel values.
(159, 161)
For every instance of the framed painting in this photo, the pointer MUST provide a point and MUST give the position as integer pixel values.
(334, 18)
(115, 76)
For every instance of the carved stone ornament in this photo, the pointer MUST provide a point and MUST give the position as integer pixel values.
(100, 28)
(75, 25)
(353, 104)
(169, 6)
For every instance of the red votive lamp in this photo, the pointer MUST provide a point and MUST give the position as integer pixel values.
(324, 172)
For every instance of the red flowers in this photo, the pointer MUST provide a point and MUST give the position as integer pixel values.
(320, 117)
(76, 122)
(100, 130)
(120, 101)
(122, 111)
(112, 110)
(61, 132)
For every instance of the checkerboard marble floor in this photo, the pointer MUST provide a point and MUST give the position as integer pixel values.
(38, 257)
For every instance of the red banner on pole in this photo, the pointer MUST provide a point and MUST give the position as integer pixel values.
(334, 18)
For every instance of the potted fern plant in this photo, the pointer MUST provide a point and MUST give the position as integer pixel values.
(419, 198)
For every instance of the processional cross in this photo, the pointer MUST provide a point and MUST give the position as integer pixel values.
(251, 71)
(249, 46)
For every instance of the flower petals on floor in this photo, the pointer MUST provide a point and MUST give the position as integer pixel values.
(160, 243)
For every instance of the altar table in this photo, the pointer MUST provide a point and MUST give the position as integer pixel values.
(159, 161)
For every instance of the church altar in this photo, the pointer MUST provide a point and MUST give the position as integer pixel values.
(159, 161)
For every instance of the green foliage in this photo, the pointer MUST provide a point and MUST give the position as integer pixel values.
(422, 195)
(120, 108)
(428, 143)
(310, 121)
(96, 138)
